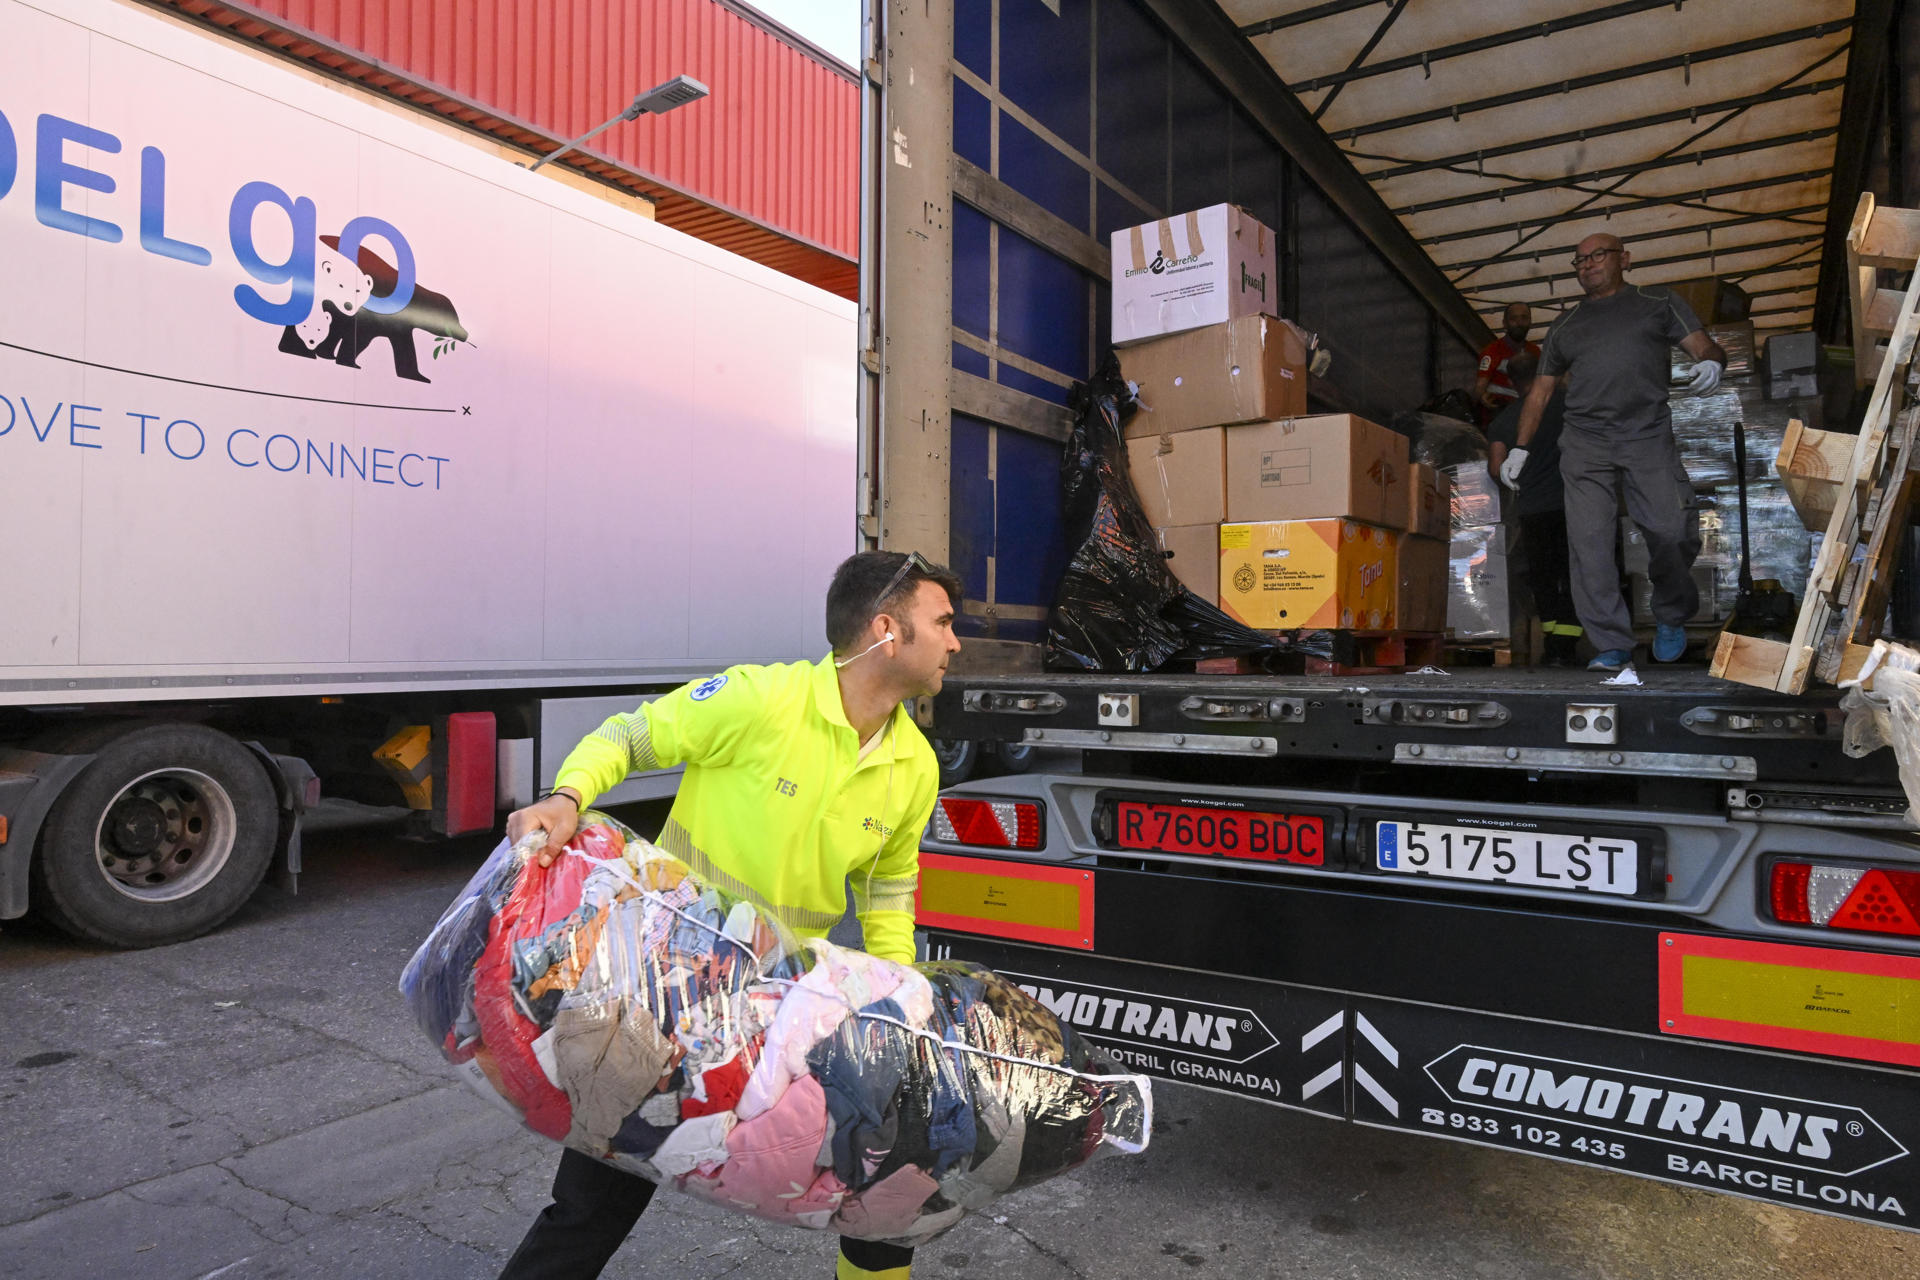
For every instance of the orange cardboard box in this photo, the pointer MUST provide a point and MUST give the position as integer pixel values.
(1293, 575)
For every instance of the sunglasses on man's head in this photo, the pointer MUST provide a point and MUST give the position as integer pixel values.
(914, 561)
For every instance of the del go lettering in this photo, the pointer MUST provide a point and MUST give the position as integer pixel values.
(60, 164)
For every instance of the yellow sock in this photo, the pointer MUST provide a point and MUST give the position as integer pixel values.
(848, 1271)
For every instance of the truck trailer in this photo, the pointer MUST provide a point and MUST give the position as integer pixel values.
(1666, 929)
(327, 430)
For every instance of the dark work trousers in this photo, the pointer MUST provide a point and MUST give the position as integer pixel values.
(594, 1207)
(1549, 576)
(1659, 499)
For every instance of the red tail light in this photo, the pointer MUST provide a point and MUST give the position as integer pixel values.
(1863, 899)
(988, 824)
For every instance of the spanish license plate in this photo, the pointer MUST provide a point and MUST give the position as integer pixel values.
(1256, 835)
(1536, 859)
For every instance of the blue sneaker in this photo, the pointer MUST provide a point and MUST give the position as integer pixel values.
(1669, 642)
(1611, 660)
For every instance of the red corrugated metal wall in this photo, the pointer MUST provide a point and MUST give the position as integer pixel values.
(775, 145)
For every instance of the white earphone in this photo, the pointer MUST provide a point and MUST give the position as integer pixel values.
(864, 652)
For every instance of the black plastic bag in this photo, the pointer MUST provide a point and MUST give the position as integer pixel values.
(1118, 607)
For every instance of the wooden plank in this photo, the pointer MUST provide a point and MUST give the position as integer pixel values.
(1867, 602)
(1748, 660)
(1892, 239)
(1882, 312)
(978, 657)
(1842, 532)
(1003, 406)
(1862, 283)
(1010, 208)
(1811, 465)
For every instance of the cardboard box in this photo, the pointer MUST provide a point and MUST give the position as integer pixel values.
(1193, 553)
(1420, 598)
(1714, 300)
(1246, 370)
(1429, 501)
(1205, 267)
(1181, 478)
(1292, 575)
(1330, 466)
(1477, 600)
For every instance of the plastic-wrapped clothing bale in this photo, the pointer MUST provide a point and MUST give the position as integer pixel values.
(617, 1004)
(1476, 495)
(1440, 441)
(1887, 715)
(1735, 338)
(1477, 600)
(1780, 545)
(1703, 425)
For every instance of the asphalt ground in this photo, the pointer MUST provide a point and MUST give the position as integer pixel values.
(258, 1103)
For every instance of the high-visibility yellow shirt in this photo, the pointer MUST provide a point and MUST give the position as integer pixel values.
(778, 806)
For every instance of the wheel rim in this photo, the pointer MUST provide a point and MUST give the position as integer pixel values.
(952, 752)
(165, 835)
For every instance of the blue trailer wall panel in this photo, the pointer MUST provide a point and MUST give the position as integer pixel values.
(1130, 122)
(1202, 138)
(1046, 60)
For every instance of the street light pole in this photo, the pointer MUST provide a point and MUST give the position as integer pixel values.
(659, 100)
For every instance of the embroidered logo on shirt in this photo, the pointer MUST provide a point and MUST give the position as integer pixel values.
(786, 788)
(707, 688)
(877, 827)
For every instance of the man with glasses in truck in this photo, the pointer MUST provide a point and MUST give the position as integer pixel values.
(790, 772)
(1611, 352)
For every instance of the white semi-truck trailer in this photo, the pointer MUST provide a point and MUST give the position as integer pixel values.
(323, 428)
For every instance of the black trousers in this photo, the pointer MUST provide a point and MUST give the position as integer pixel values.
(1549, 573)
(595, 1206)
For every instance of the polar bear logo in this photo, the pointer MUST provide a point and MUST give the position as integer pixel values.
(340, 328)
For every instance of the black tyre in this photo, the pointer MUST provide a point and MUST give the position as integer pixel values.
(1016, 757)
(162, 837)
(958, 758)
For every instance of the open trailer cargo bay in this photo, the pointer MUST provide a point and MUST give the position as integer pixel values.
(1667, 929)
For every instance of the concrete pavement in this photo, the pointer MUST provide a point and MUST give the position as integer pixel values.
(258, 1104)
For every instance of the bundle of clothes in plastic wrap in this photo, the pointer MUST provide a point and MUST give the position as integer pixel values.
(615, 1003)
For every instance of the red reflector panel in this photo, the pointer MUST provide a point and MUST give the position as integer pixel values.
(1832, 896)
(987, 824)
(1247, 834)
(1790, 892)
(1883, 902)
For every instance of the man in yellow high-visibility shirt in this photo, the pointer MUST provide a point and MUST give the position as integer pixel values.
(800, 779)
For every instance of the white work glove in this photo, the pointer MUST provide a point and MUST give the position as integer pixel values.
(1706, 376)
(1510, 469)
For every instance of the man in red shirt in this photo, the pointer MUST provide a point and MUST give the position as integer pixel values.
(1493, 390)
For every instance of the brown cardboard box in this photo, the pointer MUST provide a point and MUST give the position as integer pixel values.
(1290, 575)
(1429, 501)
(1315, 468)
(1420, 603)
(1182, 477)
(1193, 553)
(1245, 370)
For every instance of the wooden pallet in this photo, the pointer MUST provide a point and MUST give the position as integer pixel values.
(1874, 498)
(1350, 653)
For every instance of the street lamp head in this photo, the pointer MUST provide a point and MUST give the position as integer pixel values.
(662, 98)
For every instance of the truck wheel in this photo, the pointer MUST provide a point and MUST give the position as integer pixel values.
(162, 837)
(958, 758)
(1016, 757)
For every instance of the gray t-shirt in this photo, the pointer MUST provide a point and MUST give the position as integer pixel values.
(1612, 352)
